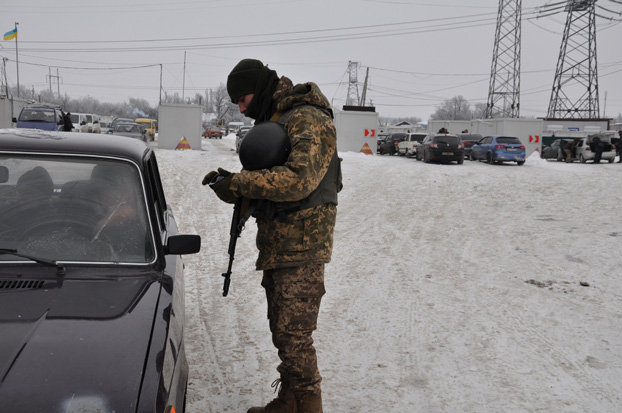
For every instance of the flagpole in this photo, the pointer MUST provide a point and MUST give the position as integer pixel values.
(17, 58)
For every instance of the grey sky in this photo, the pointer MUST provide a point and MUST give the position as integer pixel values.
(419, 52)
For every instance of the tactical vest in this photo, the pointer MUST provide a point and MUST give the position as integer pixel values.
(325, 193)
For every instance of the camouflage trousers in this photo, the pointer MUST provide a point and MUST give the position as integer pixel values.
(294, 295)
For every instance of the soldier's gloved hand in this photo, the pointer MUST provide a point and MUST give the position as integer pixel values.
(220, 185)
(208, 178)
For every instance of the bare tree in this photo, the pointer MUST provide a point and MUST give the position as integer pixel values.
(222, 106)
(456, 108)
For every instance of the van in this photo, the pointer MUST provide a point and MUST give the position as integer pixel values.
(40, 116)
(151, 127)
(85, 122)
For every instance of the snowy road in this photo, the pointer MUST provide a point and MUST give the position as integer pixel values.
(452, 289)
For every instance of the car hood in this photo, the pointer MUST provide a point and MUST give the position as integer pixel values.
(75, 345)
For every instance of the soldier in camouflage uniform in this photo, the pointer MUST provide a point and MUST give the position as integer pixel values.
(295, 231)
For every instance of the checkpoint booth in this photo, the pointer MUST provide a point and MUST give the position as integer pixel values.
(180, 123)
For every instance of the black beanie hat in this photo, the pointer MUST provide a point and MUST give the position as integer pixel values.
(243, 78)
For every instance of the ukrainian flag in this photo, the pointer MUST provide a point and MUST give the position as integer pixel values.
(10, 35)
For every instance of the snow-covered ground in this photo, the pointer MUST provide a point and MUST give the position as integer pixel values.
(453, 288)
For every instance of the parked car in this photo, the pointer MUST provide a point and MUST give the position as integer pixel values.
(554, 150)
(40, 116)
(130, 130)
(85, 122)
(213, 132)
(408, 146)
(116, 121)
(468, 139)
(92, 281)
(105, 126)
(379, 140)
(586, 151)
(499, 149)
(239, 136)
(441, 147)
(390, 143)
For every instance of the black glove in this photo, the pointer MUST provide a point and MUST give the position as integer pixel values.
(219, 181)
(208, 178)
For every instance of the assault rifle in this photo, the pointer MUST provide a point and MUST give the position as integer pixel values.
(237, 225)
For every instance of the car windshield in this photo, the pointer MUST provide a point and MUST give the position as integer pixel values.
(506, 139)
(37, 115)
(73, 209)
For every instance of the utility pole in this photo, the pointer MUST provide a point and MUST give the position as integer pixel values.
(57, 79)
(160, 103)
(183, 89)
(364, 95)
(6, 82)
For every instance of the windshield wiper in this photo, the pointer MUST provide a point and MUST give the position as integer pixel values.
(60, 269)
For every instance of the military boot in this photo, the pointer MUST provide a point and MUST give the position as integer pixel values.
(309, 403)
(285, 402)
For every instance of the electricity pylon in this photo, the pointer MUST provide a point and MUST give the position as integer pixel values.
(353, 89)
(575, 88)
(504, 88)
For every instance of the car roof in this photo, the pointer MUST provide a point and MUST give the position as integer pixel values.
(72, 143)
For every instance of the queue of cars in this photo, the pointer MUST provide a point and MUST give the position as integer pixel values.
(581, 149)
(51, 118)
(91, 276)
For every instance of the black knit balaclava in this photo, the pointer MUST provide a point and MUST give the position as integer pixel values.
(252, 76)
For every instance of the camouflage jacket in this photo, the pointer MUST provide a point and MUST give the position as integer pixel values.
(305, 236)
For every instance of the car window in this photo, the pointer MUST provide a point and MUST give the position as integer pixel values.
(507, 139)
(37, 115)
(449, 140)
(74, 209)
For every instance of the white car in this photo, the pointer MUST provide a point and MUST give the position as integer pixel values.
(585, 150)
(409, 145)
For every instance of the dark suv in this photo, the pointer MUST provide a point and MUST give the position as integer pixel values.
(390, 143)
(441, 147)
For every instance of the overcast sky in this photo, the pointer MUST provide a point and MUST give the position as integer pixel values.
(419, 53)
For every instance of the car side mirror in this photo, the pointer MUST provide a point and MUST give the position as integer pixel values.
(183, 244)
(14, 120)
(83, 123)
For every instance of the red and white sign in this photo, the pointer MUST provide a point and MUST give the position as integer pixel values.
(370, 132)
(534, 139)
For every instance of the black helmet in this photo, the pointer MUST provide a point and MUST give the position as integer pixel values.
(264, 146)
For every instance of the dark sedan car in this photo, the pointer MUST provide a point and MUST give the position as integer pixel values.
(91, 278)
(390, 143)
(468, 139)
(553, 151)
(441, 147)
(130, 130)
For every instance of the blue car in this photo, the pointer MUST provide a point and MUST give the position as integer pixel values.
(40, 116)
(498, 149)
